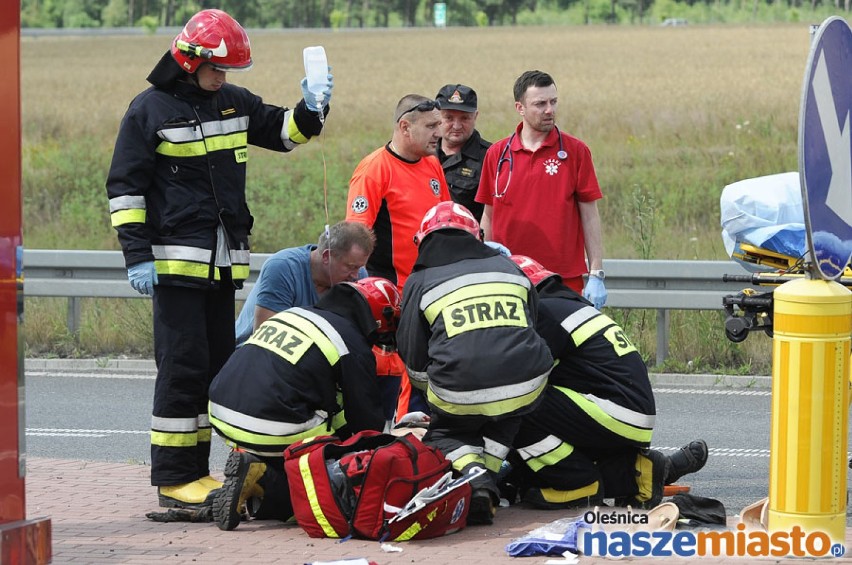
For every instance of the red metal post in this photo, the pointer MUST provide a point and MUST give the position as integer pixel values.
(21, 540)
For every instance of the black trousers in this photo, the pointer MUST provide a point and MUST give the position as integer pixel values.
(597, 454)
(193, 337)
(474, 441)
(276, 503)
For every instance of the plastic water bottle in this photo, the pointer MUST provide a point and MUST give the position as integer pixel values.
(316, 71)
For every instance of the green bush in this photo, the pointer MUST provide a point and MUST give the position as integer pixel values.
(149, 23)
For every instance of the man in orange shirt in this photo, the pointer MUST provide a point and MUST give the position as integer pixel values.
(390, 191)
(395, 185)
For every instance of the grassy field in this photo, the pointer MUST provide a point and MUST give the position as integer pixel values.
(672, 115)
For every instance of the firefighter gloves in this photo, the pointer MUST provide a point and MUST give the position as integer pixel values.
(143, 277)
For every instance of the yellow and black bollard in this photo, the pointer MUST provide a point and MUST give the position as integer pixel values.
(810, 402)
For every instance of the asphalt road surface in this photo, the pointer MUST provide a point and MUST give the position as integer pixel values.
(107, 419)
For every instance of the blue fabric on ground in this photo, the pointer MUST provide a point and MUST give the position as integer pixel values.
(554, 538)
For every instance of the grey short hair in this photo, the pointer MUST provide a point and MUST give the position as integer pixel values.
(343, 235)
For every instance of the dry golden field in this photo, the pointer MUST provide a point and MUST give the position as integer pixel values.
(613, 82)
(674, 112)
(672, 115)
(671, 105)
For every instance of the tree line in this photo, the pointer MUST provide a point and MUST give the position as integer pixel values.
(152, 14)
(274, 13)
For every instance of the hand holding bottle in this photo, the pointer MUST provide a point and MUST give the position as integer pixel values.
(318, 81)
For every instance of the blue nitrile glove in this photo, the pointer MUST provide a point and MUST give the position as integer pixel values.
(595, 292)
(310, 99)
(504, 251)
(143, 277)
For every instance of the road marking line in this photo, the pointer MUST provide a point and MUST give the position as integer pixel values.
(725, 392)
(64, 434)
(79, 433)
(92, 375)
(731, 451)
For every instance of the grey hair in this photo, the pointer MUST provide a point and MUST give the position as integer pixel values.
(343, 235)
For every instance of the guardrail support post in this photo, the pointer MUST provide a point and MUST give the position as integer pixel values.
(73, 320)
(663, 322)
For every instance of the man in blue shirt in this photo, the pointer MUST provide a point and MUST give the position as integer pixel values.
(298, 276)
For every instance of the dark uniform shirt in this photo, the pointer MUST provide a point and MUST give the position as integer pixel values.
(462, 170)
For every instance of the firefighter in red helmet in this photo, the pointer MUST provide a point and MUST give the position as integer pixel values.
(176, 189)
(590, 436)
(304, 372)
(215, 37)
(467, 337)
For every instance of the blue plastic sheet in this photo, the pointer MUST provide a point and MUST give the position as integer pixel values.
(766, 212)
(554, 538)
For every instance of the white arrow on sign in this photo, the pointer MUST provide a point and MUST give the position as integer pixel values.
(837, 141)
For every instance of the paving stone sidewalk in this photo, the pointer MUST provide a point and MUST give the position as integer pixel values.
(97, 511)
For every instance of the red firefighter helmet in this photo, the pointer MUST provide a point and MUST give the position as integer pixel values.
(384, 300)
(212, 36)
(447, 216)
(534, 270)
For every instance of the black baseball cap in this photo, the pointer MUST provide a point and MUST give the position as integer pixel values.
(457, 97)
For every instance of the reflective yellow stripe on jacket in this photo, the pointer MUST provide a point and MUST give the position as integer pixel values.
(290, 334)
(617, 419)
(477, 301)
(243, 430)
(587, 322)
(195, 141)
(127, 210)
(182, 260)
(492, 401)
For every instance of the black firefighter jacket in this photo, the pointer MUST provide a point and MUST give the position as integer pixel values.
(467, 330)
(297, 373)
(179, 172)
(598, 366)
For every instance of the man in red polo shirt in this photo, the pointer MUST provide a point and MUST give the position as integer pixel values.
(540, 192)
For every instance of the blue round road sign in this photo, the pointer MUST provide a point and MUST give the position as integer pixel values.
(825, 152)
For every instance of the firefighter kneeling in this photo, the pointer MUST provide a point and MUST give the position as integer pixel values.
(292, 380)
(467, 337)
(589, 438)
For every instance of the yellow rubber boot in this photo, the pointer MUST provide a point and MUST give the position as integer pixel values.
(651, 470)
(211, 482)
(553, 499)
(242, 473)
(187, 495)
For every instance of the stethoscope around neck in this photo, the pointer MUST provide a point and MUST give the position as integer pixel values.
(507, 157)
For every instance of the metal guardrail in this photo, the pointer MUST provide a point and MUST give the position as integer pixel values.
(654, 284)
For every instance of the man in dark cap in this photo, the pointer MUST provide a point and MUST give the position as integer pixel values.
(461, 148)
